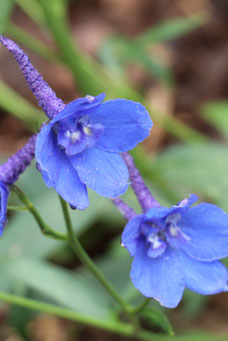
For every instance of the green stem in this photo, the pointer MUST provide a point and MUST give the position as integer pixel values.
(124, 329)
(141, 305)
(84, 257)
(17, 208)
(45, 229)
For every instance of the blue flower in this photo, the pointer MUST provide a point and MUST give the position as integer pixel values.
(178, 247)
(4, 194)
(80, 147)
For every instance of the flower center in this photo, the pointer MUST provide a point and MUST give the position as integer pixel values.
(159, 237)
(76, 135)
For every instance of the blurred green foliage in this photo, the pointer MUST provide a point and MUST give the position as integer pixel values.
(196, 165)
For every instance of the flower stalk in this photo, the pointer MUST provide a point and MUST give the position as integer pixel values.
(142, 192)
(86, 260)
(45, 229)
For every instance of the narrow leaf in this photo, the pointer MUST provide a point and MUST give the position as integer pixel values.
(19, 107)
(6, 7)
(173, 29)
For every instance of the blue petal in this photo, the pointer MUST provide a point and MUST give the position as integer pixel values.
(78, 107)
(126, 123)
(131, 233)
(185, 203)
(104, 172)
(202, 277)
(158, 214)
(57, 170)
(207, 226)
(4, 194)
(48, 153)
(160, 277)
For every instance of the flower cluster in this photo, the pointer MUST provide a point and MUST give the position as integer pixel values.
(80, 146)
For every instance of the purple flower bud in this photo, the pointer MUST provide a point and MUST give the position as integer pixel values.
(9, 173)
(4, 194)
(137, 183)
(16, 164)
(46, 97)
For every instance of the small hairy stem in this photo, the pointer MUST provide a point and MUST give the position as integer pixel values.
(45, 229)
(142, 192)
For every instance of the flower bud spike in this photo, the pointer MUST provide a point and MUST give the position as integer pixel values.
(46, 97)
(16, 164)
(137, 183)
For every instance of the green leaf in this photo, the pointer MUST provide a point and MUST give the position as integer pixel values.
(25, 38)
(158, 70)
(158, 319)
(59, 8)
(173, 29)
(32, 9)
(110, 54)
(201, 169)
(217, 114)
(62, 286)
(89, 75)
(6, 7)
(118, 51)
(19, 107)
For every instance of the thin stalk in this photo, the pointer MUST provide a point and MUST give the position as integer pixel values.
(84, 257)
(124, 329)
(17, 208)
(45, 229)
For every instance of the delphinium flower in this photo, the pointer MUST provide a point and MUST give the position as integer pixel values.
(81, 145)
(175, 247)
(9, 173)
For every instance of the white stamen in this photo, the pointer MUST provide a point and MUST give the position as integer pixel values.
(75, 136)
(87, 131)
(68, 133)
(155, 241)
(173, 231)
(173, 218)
(90, 98)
